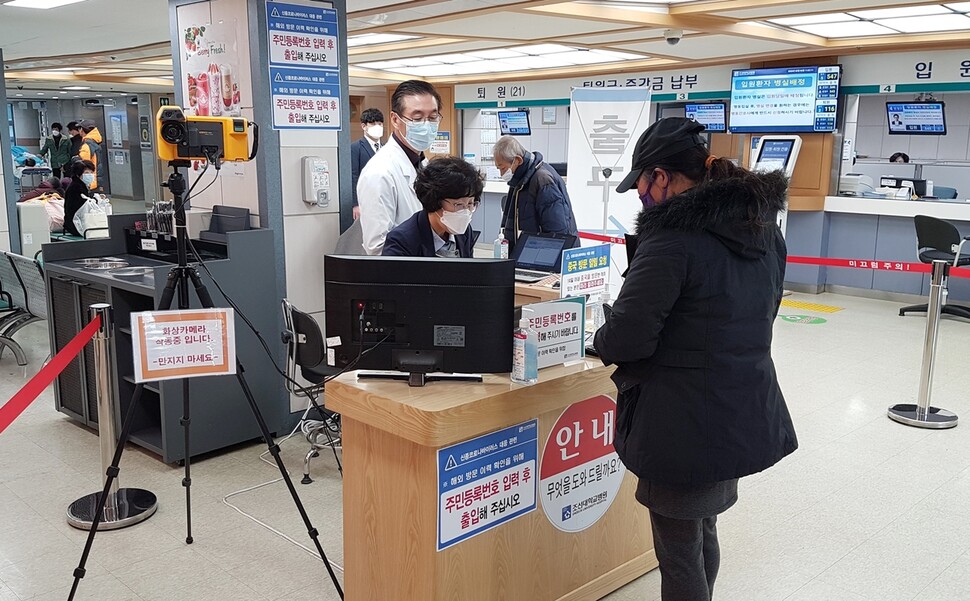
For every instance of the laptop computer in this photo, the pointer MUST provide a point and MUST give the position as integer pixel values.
(537, 256)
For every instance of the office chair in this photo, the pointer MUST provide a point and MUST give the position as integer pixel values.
(305, 349)
(944, 192)
(939, 240)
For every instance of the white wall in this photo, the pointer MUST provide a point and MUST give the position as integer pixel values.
(550, 140)
(873, 139)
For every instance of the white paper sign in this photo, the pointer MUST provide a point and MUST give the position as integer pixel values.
(183, 344)
(561, 326)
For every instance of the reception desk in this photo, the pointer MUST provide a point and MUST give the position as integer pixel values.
(869, 229)
(393, 505)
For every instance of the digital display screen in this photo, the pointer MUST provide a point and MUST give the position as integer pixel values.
(514, 123)
(916, 118)
(784, 100)
(710, 115)
(774, 155)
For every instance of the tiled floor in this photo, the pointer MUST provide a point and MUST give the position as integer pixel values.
(865, 510)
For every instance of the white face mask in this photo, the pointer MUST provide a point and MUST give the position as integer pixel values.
(456, 222)
(87, 178)
(507, 175)
(375, 132)
(56, 132)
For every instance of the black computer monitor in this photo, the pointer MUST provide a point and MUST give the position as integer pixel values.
(420, 315)
(541, 251)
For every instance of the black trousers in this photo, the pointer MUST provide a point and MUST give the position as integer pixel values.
(689, 557)
(56, 172)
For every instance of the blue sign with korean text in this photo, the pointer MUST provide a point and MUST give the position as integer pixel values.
(304, 66)
(585, 270)
(486, 481)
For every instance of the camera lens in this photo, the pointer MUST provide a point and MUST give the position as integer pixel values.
(173, 132)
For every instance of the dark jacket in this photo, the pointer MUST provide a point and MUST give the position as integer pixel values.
(59, 149)
(360, 152)
(539, 196)
(413, 238)
(72, 202)
(45, 187)
(698, 399)
(76, 142)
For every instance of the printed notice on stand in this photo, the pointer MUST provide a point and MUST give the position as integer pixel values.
(183, 344)
(304, 66)
(486, 481)
(585, 271)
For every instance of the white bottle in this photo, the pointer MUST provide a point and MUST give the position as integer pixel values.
(929, 187)
(525, 352)
(500, 248)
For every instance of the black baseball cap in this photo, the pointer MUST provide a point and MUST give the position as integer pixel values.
(87, 124)
(663, 139)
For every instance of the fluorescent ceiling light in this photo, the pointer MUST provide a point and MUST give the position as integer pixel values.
(75, 87)
(850, 29)
(813, 19)
(497, 53)
(368, 39)
(958, 6)
(454, 58)
(902, 11)
(549, 61)
(42, 4)
(435, 70)
(420, 61)
(950, 22)
(385, 64)
(543, 49)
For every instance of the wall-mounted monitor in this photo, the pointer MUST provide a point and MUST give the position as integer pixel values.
(514, 123)
(916, 118)
(711, 114)
(784, 100)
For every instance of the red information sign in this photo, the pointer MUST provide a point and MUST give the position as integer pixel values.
(580, 473)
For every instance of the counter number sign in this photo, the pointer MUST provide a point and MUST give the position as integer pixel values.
(580, 473)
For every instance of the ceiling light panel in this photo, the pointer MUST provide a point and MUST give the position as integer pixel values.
(902, 11)
(496, 54)
(454, 58)
(950, 22)
(813, 19)
(552, 61)
(539, 49)
(41, 4)
(849, 29)
(961, 7)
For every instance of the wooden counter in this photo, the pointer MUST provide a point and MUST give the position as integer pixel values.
(391, 435)
(526, 294)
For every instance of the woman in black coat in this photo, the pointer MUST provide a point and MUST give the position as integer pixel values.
(698, 402)
(82, 175)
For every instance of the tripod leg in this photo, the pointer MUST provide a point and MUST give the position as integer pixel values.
(274, 450)
(187, 480)
(112, 473)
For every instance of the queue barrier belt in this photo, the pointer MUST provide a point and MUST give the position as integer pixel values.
(874, 265)
(19, 402)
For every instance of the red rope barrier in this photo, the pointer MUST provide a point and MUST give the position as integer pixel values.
(29, 393)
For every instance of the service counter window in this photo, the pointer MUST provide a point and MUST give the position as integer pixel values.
(542, 129)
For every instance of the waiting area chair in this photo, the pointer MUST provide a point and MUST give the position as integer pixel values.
(306, 350)
(23, 294)
(939, 240)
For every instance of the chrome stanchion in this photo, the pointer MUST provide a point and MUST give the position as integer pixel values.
(922, 415)
(123, 506)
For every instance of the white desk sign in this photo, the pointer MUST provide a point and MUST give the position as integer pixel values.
(561, 326)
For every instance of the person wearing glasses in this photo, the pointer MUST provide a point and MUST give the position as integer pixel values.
(450, 190)
(385, 190)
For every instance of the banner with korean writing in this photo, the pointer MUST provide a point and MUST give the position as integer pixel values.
(585, 271)
(486, 481)
(561, 328)
(604, 126)
(181, 344)
(580, 473)
(304, 66)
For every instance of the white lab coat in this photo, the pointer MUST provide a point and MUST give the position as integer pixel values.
(385, 194)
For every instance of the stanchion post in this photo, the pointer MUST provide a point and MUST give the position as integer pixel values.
(923, 414)
(123, 506)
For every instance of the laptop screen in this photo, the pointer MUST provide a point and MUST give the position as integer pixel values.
(541, 252)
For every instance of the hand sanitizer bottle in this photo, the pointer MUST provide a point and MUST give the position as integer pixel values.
(500, 248)
(525, 352)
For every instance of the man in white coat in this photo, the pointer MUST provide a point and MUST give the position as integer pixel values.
(385, 191)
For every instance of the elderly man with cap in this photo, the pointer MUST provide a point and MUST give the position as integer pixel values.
(698, 403)
(91, 150)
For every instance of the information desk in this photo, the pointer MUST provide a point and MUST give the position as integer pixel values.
(391, 437)
(526, 294)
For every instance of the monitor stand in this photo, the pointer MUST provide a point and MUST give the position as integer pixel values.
(419, 378)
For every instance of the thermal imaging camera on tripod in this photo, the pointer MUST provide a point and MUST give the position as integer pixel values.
(216, 139)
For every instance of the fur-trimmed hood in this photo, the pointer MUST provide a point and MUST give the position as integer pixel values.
(738, 211)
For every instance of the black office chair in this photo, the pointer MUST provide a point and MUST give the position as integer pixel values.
(305, 348)
(939, 240)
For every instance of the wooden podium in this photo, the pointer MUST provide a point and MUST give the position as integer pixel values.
(391, 435)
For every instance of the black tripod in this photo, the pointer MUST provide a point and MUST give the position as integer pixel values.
(178, 281)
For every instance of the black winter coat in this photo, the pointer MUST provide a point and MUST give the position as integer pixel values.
(698, 399)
